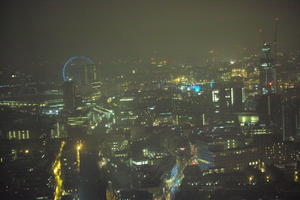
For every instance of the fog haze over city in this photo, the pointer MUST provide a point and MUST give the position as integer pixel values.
(104, 29)
(150, 100)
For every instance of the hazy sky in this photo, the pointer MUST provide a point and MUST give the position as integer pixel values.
(104, 28)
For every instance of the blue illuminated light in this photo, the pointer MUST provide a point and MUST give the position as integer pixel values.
(212, 83)
(194, 88)
(174, 171)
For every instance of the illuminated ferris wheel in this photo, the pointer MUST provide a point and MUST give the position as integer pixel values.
(79, 69)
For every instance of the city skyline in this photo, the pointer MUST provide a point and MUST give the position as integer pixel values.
(150, 100)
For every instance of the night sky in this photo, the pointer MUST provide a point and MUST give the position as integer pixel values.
(57, 29)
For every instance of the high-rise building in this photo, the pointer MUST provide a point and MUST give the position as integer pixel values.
(267, 71)
(228, 97)
(90, 75)
(69, 90)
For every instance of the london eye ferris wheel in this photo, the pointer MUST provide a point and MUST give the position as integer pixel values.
(79, 69)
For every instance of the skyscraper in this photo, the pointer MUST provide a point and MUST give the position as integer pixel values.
(89, 74)
(69, 90)
(267, 71)
(228, 97)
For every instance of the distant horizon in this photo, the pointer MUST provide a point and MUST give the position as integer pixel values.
(55, 30)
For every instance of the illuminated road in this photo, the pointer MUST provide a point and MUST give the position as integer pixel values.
(78, 148)
(109, 192)
(57, 173)
(173, 181)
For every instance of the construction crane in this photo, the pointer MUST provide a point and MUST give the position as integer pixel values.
(276, 20)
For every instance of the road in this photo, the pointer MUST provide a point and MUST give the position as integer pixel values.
(56, 169)
(173, 181)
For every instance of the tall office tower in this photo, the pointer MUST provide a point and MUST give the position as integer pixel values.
(228, 97)
(90, 74)
(69, 96)
(267, 71)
